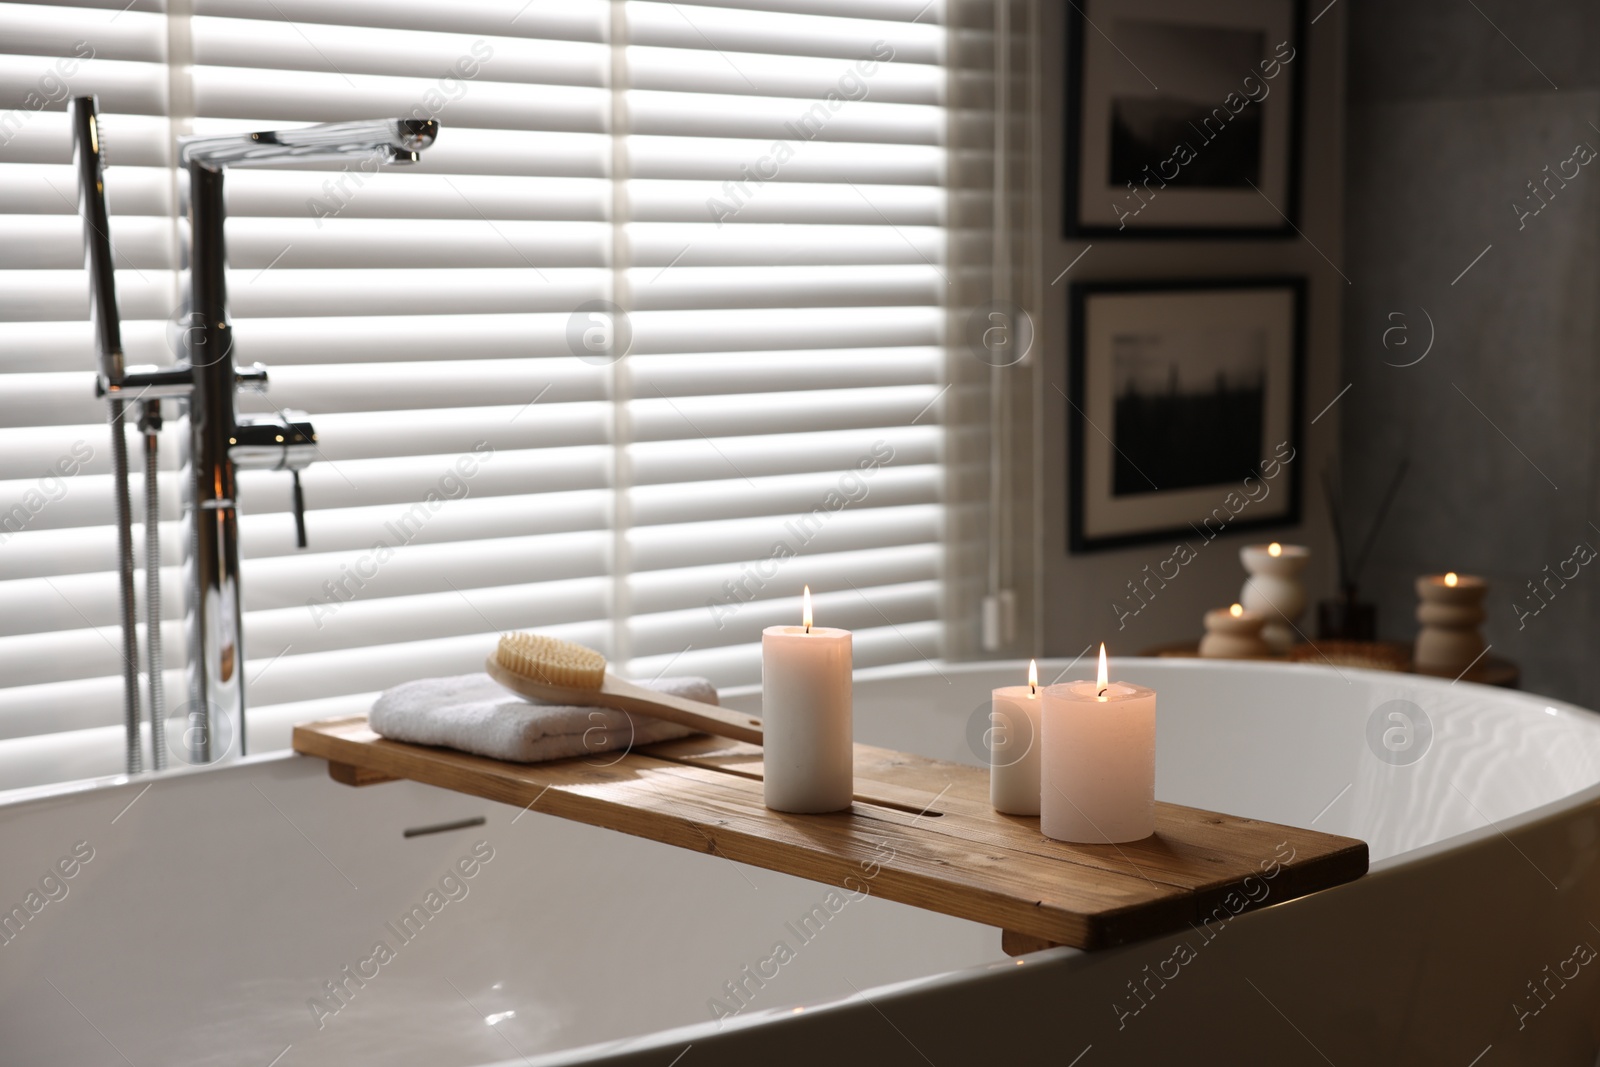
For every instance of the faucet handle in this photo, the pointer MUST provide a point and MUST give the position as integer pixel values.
(284, 440)
(280, 441)
(298, 499)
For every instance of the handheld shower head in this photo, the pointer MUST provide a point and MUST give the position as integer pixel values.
(88, 159)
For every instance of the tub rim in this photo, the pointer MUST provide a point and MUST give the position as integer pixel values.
(15, 802)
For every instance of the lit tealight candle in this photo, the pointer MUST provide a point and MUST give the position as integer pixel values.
(1098, 766)
(1234, 633)
(807, 748)
(1273, 588)
(1450, 609)
(1014, 746)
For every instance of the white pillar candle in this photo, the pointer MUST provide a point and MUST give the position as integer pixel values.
(807, 750)
(1014, 746)
(1098, 769)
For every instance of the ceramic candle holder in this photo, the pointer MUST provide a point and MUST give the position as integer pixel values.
(1274, 590)
(1230, 636)
(1449, 641)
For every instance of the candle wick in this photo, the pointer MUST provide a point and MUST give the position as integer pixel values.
(1103, 691)
(808, 627)
(1032, 688)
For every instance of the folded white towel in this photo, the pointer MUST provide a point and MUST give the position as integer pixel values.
(473, 713)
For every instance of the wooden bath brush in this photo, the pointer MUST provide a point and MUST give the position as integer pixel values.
(548, 668)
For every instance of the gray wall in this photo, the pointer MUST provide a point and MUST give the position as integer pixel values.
(1079, 590)
(1447, 122)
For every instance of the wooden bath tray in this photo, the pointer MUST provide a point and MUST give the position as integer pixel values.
(921, 832)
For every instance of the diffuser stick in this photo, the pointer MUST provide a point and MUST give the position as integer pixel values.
(1383, 513)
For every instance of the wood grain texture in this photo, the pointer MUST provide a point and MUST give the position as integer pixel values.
(623, 695)
(1015, 944)
(921, 832)
(1372, 655)
(345, 774)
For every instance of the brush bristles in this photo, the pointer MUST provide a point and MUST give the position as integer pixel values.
(551, 661)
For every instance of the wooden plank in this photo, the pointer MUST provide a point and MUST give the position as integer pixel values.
(1206, 853)
(735, 757)
(345, 774)
(723, 815)
(921, 833)
(1015, 944)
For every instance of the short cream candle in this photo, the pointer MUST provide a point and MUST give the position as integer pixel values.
(807, 749)
(1014, 745)
(1098, 765)
(1234, 633)
(1450, 609)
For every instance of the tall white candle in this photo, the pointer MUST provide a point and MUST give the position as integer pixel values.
(807, 748)
(1014, 747)
(1098, 771)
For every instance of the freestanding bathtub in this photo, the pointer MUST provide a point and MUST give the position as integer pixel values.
(234, 915)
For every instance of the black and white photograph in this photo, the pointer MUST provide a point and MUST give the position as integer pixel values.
(1189, 407)
(1202, 65)
(1180, 119)
(1181, 393)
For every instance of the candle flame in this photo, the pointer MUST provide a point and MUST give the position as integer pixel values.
(1236, 611)
(1274, 549)
(1451, 579)
(805, 611)
(1033, 676)
(1102, 682)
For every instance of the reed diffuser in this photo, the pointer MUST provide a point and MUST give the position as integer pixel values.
(1347, 617)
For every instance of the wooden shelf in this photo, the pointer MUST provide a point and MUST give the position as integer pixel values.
(1374, 655)
(921, 832)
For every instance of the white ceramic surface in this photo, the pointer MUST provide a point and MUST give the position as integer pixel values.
(219, 902)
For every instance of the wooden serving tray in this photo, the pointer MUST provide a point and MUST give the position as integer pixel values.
(921, 832)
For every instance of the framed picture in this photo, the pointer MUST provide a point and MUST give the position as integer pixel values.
(1182, 119)
(1183, 409)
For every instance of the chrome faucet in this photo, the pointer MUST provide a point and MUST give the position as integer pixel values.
(221, 441)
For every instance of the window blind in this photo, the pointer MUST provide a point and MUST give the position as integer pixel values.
(757, 187)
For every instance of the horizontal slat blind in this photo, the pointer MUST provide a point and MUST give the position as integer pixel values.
(832, 270)
(760, 185)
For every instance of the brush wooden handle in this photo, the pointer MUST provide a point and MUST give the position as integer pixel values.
(623, 695)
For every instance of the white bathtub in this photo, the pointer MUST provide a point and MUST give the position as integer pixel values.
(216, 909)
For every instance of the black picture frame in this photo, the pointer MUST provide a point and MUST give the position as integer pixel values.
(1084, 21)
(1282, 408)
